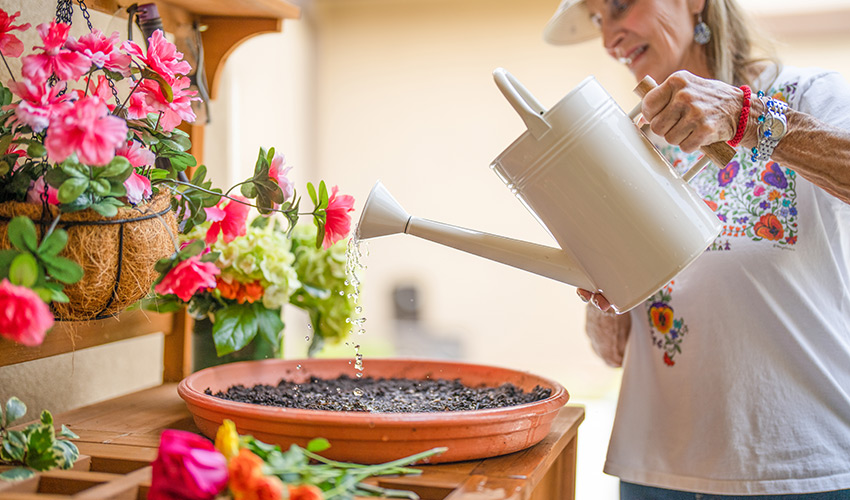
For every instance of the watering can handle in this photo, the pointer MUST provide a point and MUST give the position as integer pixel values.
(528, 108)
(719, 153)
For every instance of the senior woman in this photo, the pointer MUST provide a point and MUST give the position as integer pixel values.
(736, 376)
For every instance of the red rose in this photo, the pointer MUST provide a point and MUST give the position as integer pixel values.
(24, 317)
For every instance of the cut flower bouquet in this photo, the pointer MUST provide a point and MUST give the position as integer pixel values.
(78, 157)
(239, 276)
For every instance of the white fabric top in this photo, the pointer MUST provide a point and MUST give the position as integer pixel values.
(737, 374)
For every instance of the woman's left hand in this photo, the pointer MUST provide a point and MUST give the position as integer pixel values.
(690, 111)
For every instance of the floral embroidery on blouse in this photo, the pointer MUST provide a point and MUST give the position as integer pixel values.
(754, 200)
(667, 331)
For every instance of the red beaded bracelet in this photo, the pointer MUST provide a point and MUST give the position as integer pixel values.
(742, 120)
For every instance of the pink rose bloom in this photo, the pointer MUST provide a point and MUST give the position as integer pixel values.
(37, 188)
(87, 129)
(24, 317)
(187, 467)
(231, 222)
(279, 176)
(55, 59)
(39, 102)
(102, 51)
(10, 45)
(137, 154)
(337, 221)
(187, 277)
(162, 56)
(138, 188)
(758, 191)
(148, 98)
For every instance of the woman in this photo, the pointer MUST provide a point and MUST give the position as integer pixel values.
(736, 376)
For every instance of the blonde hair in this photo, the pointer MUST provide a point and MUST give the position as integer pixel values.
(731, 52)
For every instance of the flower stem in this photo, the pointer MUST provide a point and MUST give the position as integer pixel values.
(7, 67)
(223, 195)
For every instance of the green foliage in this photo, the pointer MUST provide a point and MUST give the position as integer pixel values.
(236, 325)
(83, 186)
(337, 480)
(38, 265)
(36, 447)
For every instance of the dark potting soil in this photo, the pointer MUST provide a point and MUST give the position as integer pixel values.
(383, 395)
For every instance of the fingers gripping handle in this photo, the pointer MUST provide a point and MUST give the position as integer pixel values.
(719, 153)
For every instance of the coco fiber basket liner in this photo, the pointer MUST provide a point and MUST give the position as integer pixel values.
(117, 254)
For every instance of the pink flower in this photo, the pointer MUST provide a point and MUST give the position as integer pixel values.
(24, 317)
(65, 64)
(148, 98)
(161, 57)
(10, 45)
(37, 188)
(230, 222)
(337, 221)
(100, 89)
(279, 176)
(187, 277)
(39, 102)
(87, 129)
(138, 188)
(187, 467)
(758, 191)
(102, 51)
(136, 154)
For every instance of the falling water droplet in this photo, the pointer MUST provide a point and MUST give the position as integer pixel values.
(358, 391)
(307, 338)
(298, 367)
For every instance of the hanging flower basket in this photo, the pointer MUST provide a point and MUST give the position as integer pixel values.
(117, 254)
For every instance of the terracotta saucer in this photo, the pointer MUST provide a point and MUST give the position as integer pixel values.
(371, 438)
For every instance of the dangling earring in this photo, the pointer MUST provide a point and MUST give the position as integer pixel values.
(702, 33)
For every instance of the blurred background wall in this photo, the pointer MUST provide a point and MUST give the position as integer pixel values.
(401, 91)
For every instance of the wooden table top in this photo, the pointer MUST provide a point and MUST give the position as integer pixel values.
(119, 440)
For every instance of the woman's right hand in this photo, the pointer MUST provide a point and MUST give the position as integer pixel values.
(608, 332)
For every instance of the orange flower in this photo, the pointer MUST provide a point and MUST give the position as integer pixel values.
(769, 227)
(662, 316)
(250, 292)
(245, 470)
(266, 488)
(711, 204)
(305, 492)
(773, 195)
(227, 290)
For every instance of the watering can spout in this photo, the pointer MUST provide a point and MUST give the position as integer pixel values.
(383, 215)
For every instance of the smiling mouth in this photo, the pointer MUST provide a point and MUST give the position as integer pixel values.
(627, 60)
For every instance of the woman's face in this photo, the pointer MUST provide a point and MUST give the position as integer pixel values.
(652, 37)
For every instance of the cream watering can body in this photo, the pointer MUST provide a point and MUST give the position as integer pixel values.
(625, 222)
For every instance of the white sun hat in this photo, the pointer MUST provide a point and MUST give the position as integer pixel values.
(570, 24)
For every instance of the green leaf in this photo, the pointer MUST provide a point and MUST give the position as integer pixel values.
(15, 409)
(119, 167)
(66, 453)
(64, 270)
(269, 323)
(40, 454)
(311, 190)
(16, 474)
(235, 327)
(22, 235)
(318, 445)
(24, 270)
(105, 208)
(53, 243)
(71, 189)
(14, 447)
(35, 150)
(68, 433)
(248, 190)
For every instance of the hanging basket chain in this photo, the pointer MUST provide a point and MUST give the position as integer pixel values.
(65, 14)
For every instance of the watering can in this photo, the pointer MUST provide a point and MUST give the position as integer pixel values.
(626, 223)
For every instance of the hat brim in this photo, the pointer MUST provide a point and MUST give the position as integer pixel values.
(571, 24)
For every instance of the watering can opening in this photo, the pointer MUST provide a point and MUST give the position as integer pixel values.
(382, 215)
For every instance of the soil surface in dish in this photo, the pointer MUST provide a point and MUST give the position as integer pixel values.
(382, 395)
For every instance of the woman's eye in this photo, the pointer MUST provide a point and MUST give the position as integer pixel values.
(618, 7)
(596, 19)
